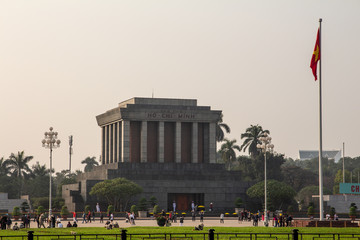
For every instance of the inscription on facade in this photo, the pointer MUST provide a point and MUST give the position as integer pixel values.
(170, 115)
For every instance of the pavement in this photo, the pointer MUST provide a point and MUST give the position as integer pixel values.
(150, 222)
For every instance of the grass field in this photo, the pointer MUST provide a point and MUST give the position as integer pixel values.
(178, 232)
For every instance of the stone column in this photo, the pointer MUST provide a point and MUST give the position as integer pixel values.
(178, 142)
(119, 142)
(107, 144)
(143, 143)
(125, 145)
(111, 147)
(102, 145)
(114, 149)
(212, 142)
(194, 142)
(161, 143)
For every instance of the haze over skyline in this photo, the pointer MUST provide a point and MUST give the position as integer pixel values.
(64, 62)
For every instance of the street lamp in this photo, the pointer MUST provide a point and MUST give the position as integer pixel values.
(51, 143)
(265, 146)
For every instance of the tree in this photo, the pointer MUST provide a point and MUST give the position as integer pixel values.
(238, 202)
(18, 165)
(247, 167)
(227, 152)
(142, 204)
(38, 183)
(62, 178)
(279, 194)
(4, 168)
(8, 184)
(304, 197)
(253, 169)
(153, 201)
(24, 206)
(39, 170)
(219, 129)
(40, 210)
(117, 192)
(90, 163)
(297, 177)
(252, 135)
(339, 179)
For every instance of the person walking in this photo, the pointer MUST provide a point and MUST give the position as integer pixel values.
(202, 216)
(84, 217)
(41, 220)
(221, 218)
(181, 220)
(174, 206)
(8, 223)
(74, 216)
(132, 218)
(88, 217)
(101, 217)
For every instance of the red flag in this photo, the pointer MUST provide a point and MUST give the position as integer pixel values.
(316, 56)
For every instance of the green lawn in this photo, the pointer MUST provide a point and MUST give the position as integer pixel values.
(191, 234)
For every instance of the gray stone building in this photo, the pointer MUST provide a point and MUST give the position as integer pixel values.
(167, 146)
(7, 205)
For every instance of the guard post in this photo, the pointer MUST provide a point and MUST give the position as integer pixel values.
(295, 234)
(211, 234)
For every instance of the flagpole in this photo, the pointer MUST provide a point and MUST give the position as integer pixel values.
(320, 133)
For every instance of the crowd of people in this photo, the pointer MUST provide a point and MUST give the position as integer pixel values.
(45, 221)
(277, 219)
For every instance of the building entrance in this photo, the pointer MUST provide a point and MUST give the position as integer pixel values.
(183, 200)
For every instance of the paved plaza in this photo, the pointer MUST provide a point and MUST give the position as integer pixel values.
(209, 222)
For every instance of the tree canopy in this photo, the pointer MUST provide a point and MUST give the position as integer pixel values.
(304, 196)
(18, 166)
(90, 163)
(117, 192)
(227, 151)
(220, 127)
(252, 135)
(279, 194)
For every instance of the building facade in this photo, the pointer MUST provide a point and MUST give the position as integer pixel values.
(310, 154)
(168, 147)
(158, 130)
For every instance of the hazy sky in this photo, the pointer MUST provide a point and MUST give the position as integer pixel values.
(64, 62)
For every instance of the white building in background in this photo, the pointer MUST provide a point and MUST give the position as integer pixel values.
(310, 154)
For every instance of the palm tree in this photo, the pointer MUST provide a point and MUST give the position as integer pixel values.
(39, 170)
(227, 151)
(4, 168)
(251, 136)
(18, 165)
(219, 129)
(90, 163)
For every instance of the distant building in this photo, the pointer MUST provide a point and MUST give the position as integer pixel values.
(341, 202)
(7, 205)
(310, 154)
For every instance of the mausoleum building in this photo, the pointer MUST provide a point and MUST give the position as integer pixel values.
(167, 146)
(157, 131)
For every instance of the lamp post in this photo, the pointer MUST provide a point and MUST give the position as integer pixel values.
(51, 143)
(265, 146)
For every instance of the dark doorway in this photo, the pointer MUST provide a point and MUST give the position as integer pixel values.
(183, 200)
